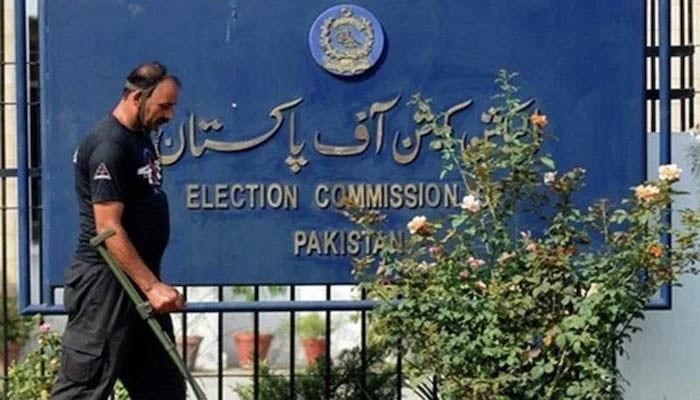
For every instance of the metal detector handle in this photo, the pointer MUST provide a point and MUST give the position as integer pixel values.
(144, 309)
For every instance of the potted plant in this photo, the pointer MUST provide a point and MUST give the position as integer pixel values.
(244, 340)
(191, 344)
(15, 329)
(525, 291)
(312, 332)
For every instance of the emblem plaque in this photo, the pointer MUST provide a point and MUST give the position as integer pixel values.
(346, 40)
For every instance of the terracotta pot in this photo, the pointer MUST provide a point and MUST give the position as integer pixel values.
(314, 348)
(245, 347)
(192, 345)
(13, 352)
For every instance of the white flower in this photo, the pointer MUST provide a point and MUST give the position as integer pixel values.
(437, 251)
(417, 223)
(470, 203)
(475, 262)
(505, 256)
(481, 285)
(646, 193)
(595, 288)
(550, 177)
(670, 172)
(425, 266)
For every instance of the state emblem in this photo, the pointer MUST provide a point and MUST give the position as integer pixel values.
(346, 40)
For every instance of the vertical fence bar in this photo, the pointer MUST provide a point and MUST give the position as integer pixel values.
(3, 231)
(327, 374)
(3, 164)
(183, 345)
(682, 47)
(22, 170)
(363, 347)
(37, 39)
(220, 348)
(256, 347)
(399, 372)
(665, 155)
(691, 64)
(435, 388)
(665, 81)
(292, 342)
(45, 289)
(654, 58)
(22, 164)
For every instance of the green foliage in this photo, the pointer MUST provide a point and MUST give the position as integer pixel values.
(521, 293)
(346, 373)
(15, 327)
(271, 386)
(311, 326)
(34, 376)
(120, 392)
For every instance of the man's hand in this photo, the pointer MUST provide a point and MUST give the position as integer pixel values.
(164, 298)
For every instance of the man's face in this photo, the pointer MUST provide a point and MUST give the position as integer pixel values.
(160, 107)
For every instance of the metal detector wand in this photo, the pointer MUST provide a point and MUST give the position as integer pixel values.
(144, 309)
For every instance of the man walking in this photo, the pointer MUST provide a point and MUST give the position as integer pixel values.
(118, 186)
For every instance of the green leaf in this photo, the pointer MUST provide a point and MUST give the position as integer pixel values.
(458, 221)
(548, 368)
(537, 372)
(548, 162)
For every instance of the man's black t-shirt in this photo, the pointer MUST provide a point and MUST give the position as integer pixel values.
(116, 164)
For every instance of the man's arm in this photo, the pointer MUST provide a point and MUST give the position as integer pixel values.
(163, 298)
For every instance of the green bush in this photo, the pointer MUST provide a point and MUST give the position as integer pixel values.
(34, 376)
(346, 379)
(522, 293)
(311, 326)
(13, 326)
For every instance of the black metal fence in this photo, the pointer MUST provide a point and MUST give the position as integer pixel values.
(283, 372)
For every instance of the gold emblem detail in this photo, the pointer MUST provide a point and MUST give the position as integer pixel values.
(347, 42)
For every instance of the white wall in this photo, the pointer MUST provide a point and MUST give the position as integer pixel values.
(664, 359)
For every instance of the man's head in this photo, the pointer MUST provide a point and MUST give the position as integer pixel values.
(149, 97)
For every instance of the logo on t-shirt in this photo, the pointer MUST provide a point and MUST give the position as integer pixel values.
(102, 173)
(150, 171)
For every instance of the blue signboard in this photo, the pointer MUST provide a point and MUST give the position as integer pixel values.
(289, 106)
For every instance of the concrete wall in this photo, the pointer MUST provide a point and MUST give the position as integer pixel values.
(664, 358)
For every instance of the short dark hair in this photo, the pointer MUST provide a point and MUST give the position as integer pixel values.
(146, 76)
